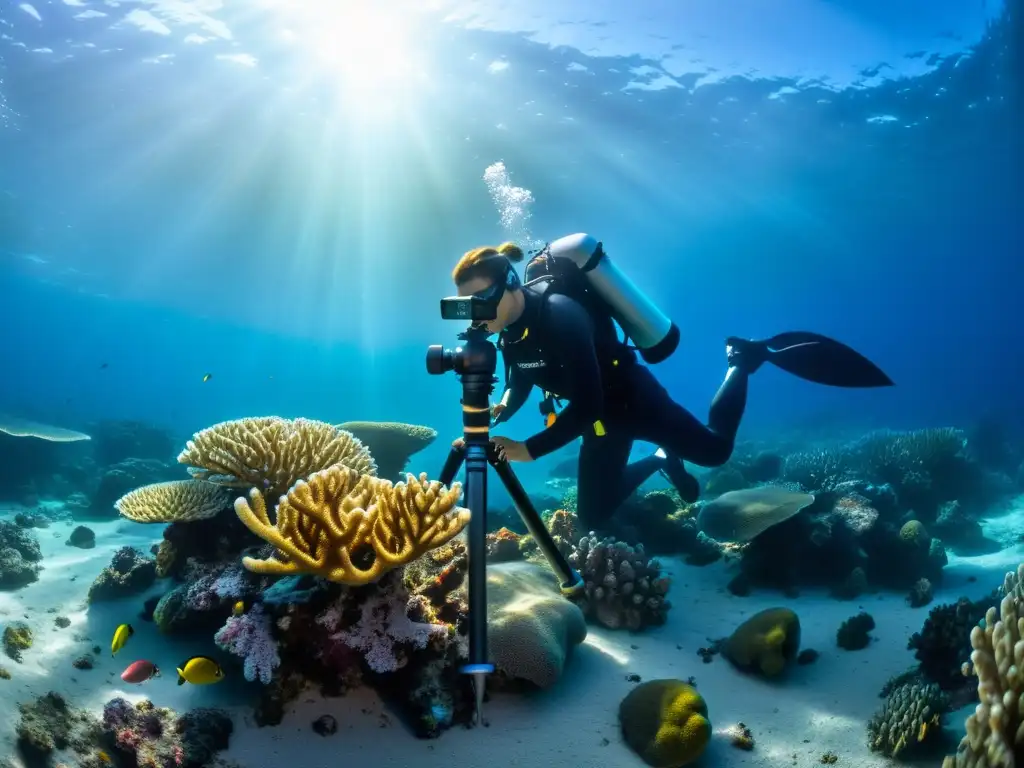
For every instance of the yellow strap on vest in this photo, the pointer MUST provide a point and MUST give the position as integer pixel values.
(599, 428)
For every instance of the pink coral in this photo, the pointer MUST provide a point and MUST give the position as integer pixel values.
(250, 636)
(384, 626)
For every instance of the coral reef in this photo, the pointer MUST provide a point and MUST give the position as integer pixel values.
(48, 724)
(155, 736)
(993, 729)
(128, 574)
(910, 722)
(250, 636)
(271, 454)
(17, 638)
(352, 528)
(943, 645)
(532, 629)
(665, 722)
(766, 643)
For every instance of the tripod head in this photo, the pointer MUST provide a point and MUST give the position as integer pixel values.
(477, 356)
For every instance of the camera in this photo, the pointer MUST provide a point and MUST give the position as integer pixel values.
(470, 309)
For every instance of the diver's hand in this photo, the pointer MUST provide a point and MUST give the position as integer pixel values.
(512, 450)
(497, 409)
(458, 443)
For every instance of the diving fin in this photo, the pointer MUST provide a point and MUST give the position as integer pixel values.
(822, 360)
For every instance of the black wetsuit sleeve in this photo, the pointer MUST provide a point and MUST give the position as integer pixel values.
(520, 394)
(572, 344)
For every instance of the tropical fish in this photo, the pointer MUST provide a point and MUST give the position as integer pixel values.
(140, 671)
(199, 670)
(103, 756)
(121, 635)
(207, 377)
(238, 609)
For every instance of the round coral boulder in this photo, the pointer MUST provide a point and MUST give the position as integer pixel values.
(665, 722)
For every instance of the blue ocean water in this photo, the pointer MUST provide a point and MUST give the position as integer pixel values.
(255, 192)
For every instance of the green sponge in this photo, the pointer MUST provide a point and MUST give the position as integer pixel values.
(765, 643)
(665, 722)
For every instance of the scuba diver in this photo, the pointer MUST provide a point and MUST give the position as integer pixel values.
(558, 331)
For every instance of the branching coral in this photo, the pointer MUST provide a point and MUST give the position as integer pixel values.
(352, 529)
(250, 636)
(177, 501)
(995, 731)
(943, 645)
(384, 627)
(624, 587)
(270, 453)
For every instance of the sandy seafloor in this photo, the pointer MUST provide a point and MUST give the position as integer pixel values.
(816, 708)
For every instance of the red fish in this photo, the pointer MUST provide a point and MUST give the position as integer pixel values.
(140, 671)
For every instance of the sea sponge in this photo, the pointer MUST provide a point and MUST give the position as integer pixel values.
(532, 629)
(742, 516)
(270, 453)
(391, 443)
(177, 501)
(352, 528)
(910, 721)
(764, 643)
(994, 729)
(665, 722)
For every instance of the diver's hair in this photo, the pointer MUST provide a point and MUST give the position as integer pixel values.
(485, 262)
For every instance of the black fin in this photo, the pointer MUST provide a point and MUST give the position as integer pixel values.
(822, 360)
(181, 679)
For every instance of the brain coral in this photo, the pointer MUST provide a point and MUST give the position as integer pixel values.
(532, 629)
(665, 722)
(765, 643)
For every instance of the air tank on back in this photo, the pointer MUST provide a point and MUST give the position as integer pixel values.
(655, 335)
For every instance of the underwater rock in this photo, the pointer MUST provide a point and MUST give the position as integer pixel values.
(325, 725)
(116, 441)
(23, 520)
(920, 594)
(24, 541)
(83, 662)
(124, 477)
(15, 571)
(852, 634)
(48, 724)
(81, 537)
(532, 628)
(503, 546)
(128, 574)
(17, 638)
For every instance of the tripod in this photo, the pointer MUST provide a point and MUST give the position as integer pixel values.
(474, 364)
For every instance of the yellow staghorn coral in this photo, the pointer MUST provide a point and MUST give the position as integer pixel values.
(995, 731)
(352, 528)
(271, 453)
(177, 501)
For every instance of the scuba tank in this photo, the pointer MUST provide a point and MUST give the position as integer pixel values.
(656, 337)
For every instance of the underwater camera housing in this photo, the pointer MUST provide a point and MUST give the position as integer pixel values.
(474, 363)
(470, 309)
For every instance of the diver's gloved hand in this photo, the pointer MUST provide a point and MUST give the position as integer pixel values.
(746, 354)
(496, 410)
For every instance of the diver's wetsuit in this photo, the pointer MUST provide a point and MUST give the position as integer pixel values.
(560, 347)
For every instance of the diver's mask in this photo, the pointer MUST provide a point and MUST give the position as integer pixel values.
(494, 293)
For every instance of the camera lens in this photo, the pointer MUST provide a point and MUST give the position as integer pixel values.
(439, 360)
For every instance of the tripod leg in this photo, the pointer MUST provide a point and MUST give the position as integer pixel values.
(452, 465)
(571, 582)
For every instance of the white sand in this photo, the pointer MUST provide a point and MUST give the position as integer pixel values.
(820, 707)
